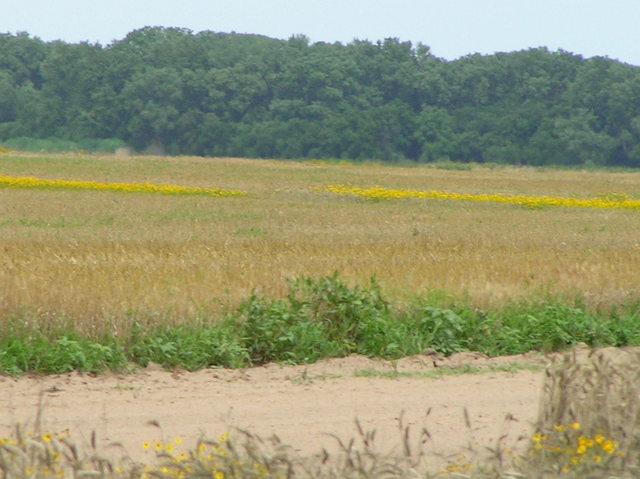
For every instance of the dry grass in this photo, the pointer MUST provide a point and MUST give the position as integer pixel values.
(589, 419)
(93, 256)
(588, 427)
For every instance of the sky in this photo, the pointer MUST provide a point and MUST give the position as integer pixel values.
(452, 28)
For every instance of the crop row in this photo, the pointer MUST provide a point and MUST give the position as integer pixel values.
(605, 201)
(33, 182)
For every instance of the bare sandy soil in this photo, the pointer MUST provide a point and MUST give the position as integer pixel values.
(305, 406)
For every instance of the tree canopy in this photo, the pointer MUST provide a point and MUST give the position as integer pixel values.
(218, 94)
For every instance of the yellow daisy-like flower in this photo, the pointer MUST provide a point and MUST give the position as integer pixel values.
(609, 446)
(146, 445)
(537, 437)
(46, 437)
(575, 425)
(177, 440)
(218, 475)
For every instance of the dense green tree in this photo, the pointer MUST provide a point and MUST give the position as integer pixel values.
(209, 93)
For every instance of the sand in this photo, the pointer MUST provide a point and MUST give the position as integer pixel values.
(307, 407)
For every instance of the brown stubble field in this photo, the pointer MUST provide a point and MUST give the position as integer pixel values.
(97, 257)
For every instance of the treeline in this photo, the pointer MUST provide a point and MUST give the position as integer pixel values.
(218, 94)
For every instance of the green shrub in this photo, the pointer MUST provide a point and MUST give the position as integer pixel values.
(318, 318)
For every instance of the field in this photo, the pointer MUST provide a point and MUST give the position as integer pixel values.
(91, 260)
(97, 256)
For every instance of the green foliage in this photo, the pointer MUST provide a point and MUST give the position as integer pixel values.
(273, 330)
(443, 330)
(320, 318)
(175, 91)
(23, 349)
(191, 346)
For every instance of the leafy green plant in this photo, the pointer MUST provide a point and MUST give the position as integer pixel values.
(318, 318)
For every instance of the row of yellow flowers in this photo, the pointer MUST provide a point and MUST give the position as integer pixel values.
(606, 201)
(33, 182)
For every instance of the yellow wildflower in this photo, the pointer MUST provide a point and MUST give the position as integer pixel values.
(33, 182)
(537, 437)
(378, 192)
(609, 446)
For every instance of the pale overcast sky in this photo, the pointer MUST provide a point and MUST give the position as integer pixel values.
(452, 28)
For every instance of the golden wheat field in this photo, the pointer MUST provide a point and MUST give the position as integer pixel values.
(95, 255)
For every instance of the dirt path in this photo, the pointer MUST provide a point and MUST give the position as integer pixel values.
(302, 405)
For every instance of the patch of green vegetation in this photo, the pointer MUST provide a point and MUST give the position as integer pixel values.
(26, 350)
(74, 221)
(251, 232)
(319, 318)
(305, 378)
(126, 387)
(445, 371)
(185, 214)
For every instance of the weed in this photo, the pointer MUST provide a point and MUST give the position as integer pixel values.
(318, 318)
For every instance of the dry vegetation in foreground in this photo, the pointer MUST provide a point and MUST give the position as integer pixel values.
(107, 256)
(588, 427)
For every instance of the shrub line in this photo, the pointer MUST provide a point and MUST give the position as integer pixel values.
(319, 318)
